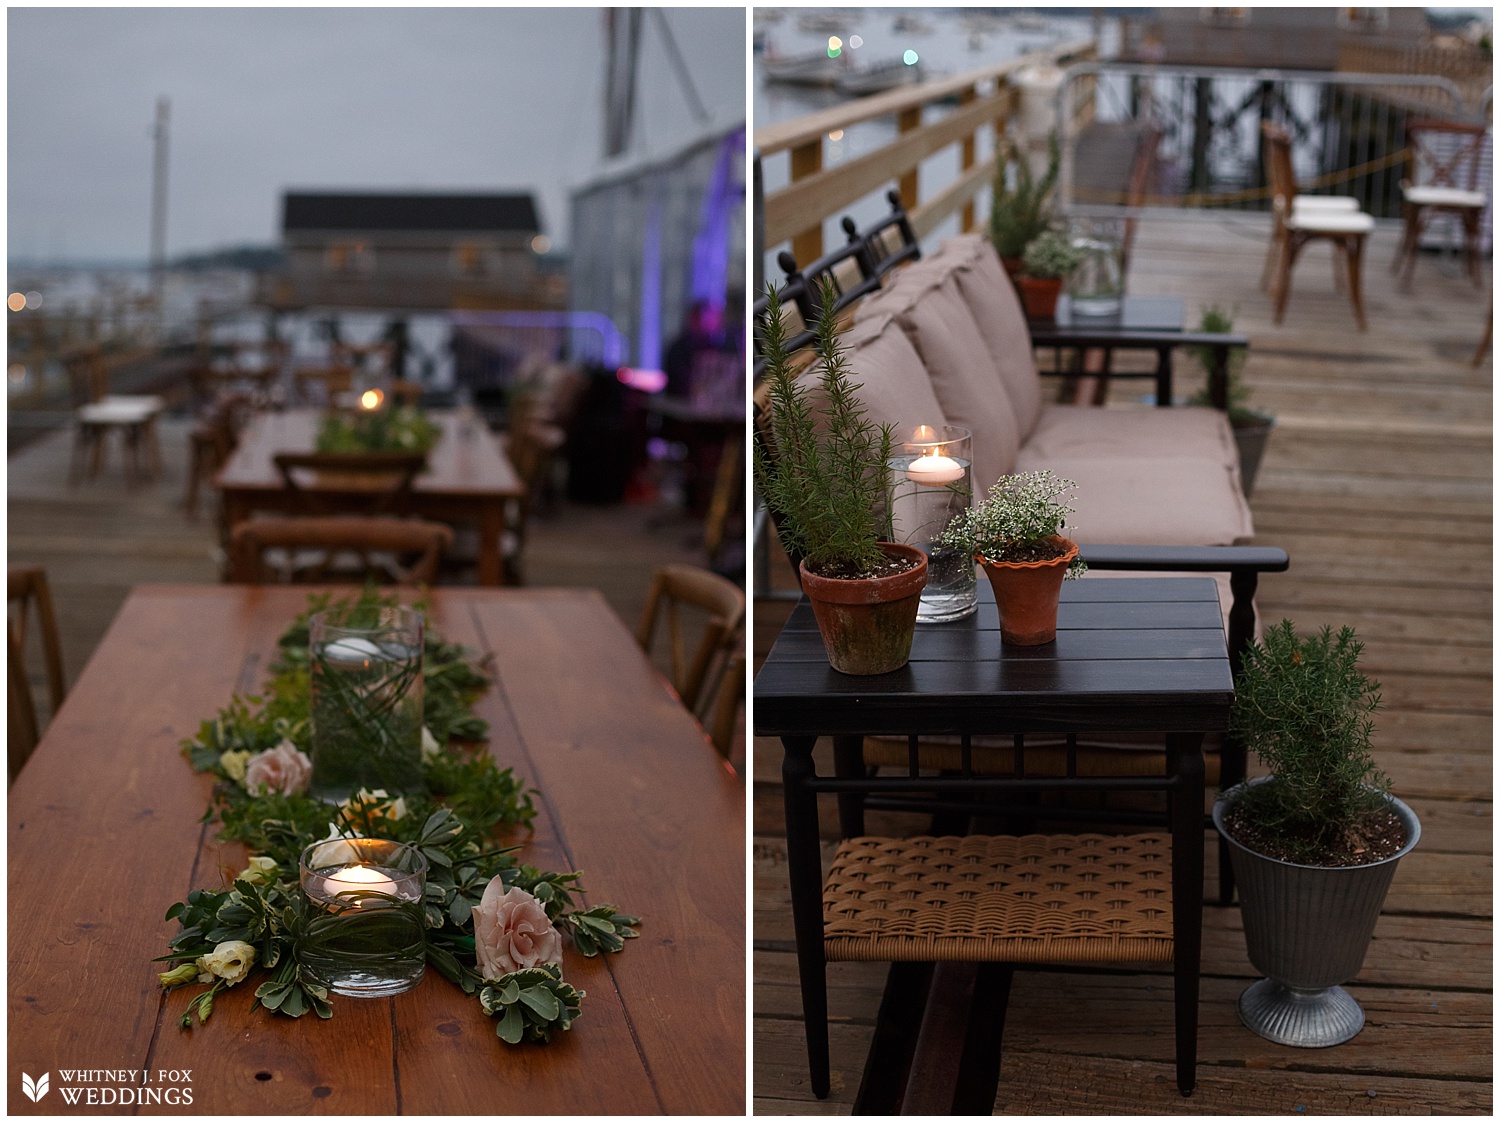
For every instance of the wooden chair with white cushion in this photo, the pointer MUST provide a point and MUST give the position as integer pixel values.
(1296, 226)
(1443, 178)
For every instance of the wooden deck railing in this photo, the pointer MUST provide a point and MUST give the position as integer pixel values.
(986, 99)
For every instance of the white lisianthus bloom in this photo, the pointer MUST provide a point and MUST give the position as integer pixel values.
(360, 802)
(260, 871)
(230, 961)
(233, 764)
(335, 832)
(430, 746)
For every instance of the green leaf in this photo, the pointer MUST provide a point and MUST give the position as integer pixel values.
(542, 1001)
(511, 1026)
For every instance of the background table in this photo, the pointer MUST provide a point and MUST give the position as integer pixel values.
(104, 834)
(468, 477)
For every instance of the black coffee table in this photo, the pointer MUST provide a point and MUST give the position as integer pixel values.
(1131, 654)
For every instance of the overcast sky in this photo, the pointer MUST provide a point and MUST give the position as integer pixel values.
(265, 99)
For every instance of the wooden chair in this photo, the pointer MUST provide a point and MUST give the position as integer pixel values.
(1443, 178)
(312, 550)
(28, 587)
(370, 483)
(211, 441)
(724, 604)
(318, 385)
(1294, 227)
(724, 719)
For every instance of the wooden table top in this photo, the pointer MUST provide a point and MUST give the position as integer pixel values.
(1143, 653)
(104, 834)
(472, 465)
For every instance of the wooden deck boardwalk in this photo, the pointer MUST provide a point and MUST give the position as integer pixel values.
(1377, 481)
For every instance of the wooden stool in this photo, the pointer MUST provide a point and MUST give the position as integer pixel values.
(134, 418)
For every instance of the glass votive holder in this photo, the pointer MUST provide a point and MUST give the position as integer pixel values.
(931, 482)
(366, 936)
(365, 671)
(1097, 286)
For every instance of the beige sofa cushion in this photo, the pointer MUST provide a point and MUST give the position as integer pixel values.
(997, 311)
(894, 388)
(1144, 501)
(926, 302)
(1185, 431)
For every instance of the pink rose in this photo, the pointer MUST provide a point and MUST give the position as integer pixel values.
(284, 769)
(511, 931)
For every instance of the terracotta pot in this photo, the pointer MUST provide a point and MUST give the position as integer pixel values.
(1026, 594)
(1039, 295)
(867, 624)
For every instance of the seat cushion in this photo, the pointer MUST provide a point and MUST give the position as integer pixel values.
(1434, 196)
(1330, 222)
(936, 318)
(1087, 431)
(997, 311)
(1143, 501)
(893, 384)
(1325, 202)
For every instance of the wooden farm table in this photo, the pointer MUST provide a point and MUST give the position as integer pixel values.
(1140, 654)
(467, 477)
(104, 834)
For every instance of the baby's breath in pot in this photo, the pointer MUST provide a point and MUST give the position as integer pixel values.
(1016, 520)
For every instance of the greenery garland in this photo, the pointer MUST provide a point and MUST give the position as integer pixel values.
(262, 922)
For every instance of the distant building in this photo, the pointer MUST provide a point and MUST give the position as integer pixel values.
(1286, 38)
(412, 251)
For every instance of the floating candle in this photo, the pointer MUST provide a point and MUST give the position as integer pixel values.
(358, 879)
(934, 470)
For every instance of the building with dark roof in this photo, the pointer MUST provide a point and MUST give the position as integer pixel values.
(412, 251)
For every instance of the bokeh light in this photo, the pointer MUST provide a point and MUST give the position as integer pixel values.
(33, 299)
(910, 58)
(16, 301)
(541, 244)
(837, 134)
(855, 42)
(17, 372)
(371, 399)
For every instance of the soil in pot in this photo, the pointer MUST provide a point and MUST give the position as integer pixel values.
(1376, 838)
(867, 622)
(1027, 589)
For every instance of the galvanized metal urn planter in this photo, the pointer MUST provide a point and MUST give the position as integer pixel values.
(1307, 929)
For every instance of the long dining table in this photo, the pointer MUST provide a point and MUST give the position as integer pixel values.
(106, 830)
(468, 477)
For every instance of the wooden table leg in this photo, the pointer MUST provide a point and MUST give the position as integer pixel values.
(1356, 254)
(1185, 764)
(805, 874)
(491, 535)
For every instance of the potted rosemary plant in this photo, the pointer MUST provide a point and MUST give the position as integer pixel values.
(1016, 535)
(825, 474)
(1048, 260)
(1019, 214)
(1315, 844)
(1251, 427)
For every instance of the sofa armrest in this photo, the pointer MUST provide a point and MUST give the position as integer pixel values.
(1163, 343)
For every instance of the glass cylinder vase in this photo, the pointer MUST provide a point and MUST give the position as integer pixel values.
(365, 934)
(931, 482)
(1097, 286)
(365, 666)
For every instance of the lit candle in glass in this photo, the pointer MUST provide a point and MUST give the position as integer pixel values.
(932, 468)
(358, 879)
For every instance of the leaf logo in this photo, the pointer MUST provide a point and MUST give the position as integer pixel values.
(34, 1089)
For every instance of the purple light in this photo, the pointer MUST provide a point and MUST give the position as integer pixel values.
(711, 246)
(649, 352)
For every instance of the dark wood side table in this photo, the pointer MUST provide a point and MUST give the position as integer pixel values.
(1131, 654)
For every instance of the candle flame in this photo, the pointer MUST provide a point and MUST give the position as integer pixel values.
(923, 433)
